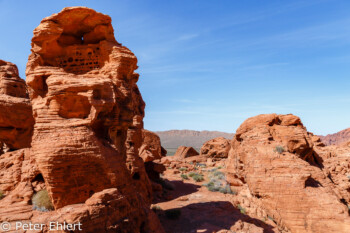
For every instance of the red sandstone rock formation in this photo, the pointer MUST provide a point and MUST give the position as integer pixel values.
(151, 152)
(336, 162)
(16, 120)
(88, 115)
(216, 148)
(274, 156)
(337, 138)
(151, 148)
(185, 152)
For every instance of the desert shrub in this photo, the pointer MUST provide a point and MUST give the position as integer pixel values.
(241, 209)
(279, 149)
(198, 177)
(227, 190)
(213, 169)
(182, 169)
(271, 218)
(219, 186)
(1, 195)
(211, 186)
(41, 201)
(219, 175)
(218, 183)
(191, 174)
(156, 208)
(173, 213)
(184, 177)
(166, 184)
(201, 165)
(219, 167)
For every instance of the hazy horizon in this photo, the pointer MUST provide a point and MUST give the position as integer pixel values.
(208, 65)
(226, 131)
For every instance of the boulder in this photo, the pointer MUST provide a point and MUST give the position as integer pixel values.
(150, 151)
(274, 156)
(151, 148)
(185, 152)
(216, 148)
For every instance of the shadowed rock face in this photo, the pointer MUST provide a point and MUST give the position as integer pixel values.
(88, 115)
(275, 157)
(16, 120)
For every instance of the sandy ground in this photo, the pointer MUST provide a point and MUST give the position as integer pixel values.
(203, 210)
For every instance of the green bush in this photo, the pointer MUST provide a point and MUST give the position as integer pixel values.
(227, 190)
(213, 169)
(219, 175)
(217, 186)
(182, 169)
(241, 209)
(279, 149)
(173, 213)
(212, 187)
(1, 195)
(41, 201)
(184, 177)
(271, 218)
(191, 174)
(198, 177)
(218, 182)
(201, 165)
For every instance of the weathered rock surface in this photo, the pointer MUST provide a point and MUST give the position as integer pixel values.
(16, 120)
(151, 148)
(336, 162)
(216, 148)
(336, 138)
(88, 115)
(185, 152)
(274, 156)
(151, 152)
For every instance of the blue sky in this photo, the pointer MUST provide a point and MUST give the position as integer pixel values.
(209, 65)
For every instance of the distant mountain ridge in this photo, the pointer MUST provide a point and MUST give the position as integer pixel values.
(176, 138)
(336, 138)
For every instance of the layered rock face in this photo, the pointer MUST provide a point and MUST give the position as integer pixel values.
(274, 156)
(185, 152)
(16, 120)
(216, 148)
(88, 115)
(336, 162)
